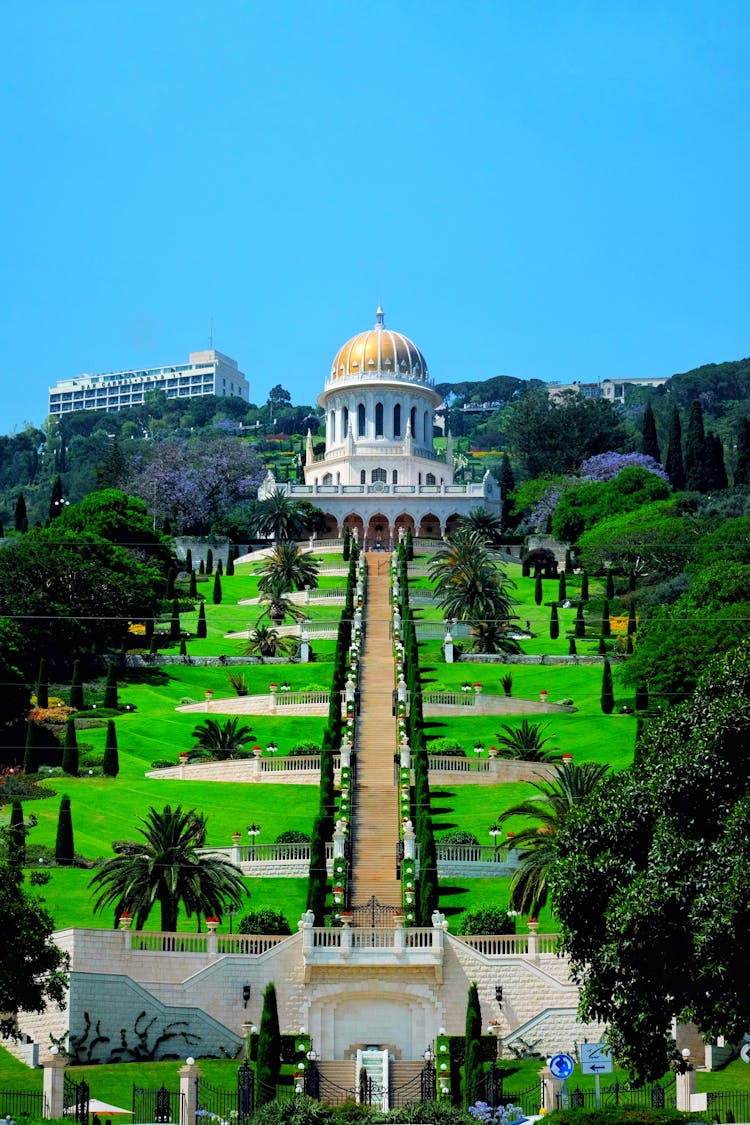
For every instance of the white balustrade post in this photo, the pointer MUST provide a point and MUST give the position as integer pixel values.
(189, 1077)
(54, 1084)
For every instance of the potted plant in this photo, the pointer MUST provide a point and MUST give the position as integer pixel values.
(212, 922)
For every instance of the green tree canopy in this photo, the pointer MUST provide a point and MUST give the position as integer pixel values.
(584, 505)
(554, 435)
(32, 968)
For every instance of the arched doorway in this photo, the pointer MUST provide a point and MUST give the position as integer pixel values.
(429, 526)
(354, 523)
(451, 524)
(403, 521)
(332, 526)
(378, 536)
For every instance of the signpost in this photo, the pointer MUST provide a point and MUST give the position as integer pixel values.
(596, 1060)
(562, 1066)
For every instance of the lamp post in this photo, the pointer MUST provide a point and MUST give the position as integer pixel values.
(427, 1082)
(496, 1075)
(253, 830)
(495, 830)
(478, 751)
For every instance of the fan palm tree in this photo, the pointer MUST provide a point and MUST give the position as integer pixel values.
(278, 605)
(570, 785)
(166, 869)
(469, 582)
(484, 522)
(492, 637)
(278, 517)
(526, 741)
(295, 568)
(265, 641)
(222, 739)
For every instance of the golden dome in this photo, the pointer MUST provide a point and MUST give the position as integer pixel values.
(380, 353)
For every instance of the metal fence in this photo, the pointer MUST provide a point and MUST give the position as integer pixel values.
(22, 1103)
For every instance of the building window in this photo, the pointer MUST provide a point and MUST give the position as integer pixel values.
(332, 425)
(345, 423)
(361, 420)
(378, 419)
(426, 433)
(395, 477)
(397, 420)
(362, 477)
(379, 474)
(328, 478)
(430, 479)
(413, 420)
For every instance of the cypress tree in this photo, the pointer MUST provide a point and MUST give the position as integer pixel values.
(674, 464)
(409, 544)
(70, 749)
(201, 567)
(16, 836)
(188, 560)
(64, 849)
(472, 1036)
(428, 892)
(209, 562)
(193, 585)
(201, 629)
(562, 591)
(507, 488)
(171, 576)
(631, 582)
(174, 621)
(42, 685)
(608, 694)
(538, 592)
(572, 650)
(632, 620)
(268, 1060)
(346, 549)
(641, 697)
(629, 644)
(318, 878)
(584, 587)
(76, 687)
(110, 688)
(601, 648)
(649, 439)
(741, 476)
(579, 629)
(554, 623)
(568, 561)
(606, 629)
(111, 760)
(327, 796)
(696, 454)
(31, 754)
(609, 592)
(230, 563)
(154, 646)
(716, 471)
(216, 597)
(56, 499)
(21, 517)
(183, 647)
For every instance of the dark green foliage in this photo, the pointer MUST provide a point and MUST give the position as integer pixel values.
(21, 518)
(316, 886)
(674, 464)
(268, 1061)
(584, 587)
(230, 563)
(171, 576)
(641, 697)
(696, 460)
(111, 761)
(42, 686)
(649, 439)
(183, 647)
(201, 567)
(716, 472)
(110, 688)
(219, 568)
(188, 564)
(64, 849)
(209, 562)
(327, 795)
(473, 1067)
(609, 592)
(32, 967)
(174, 621)
(193, 585)
(538, 591)
(562, 587)
(428, 894)
(602, 647)
(201, 627)
(56, 502)
(507, 486)
(554, 624)
(632, 620)
(568, 561)
(608, 695)
(606, 626)
(263, 922)
(487, 919)
(70, 749)
(409, 542)
(217, 590)
(742, 467)
(153, 648)
(580, 625)
(76, 687)
(347, 546)
(16, 836)
(31, 755)
(572, 650)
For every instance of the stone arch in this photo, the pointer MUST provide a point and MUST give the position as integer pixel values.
(397, 420)
(403, 1018)
(352, 521)
(378, 419)
(378, 531)
(404, 520)
(452, 522)
(429, 526)
(332, 526)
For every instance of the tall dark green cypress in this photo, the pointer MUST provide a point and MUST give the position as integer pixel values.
(632, 620)
(609, 592)
(201, 567)
(347, 546)
(507, 488)
(696, 453)
(217, 590)
(741, 476)
(56, 499)
(538, 590)
(584, 587)
(171, 576)
(219, 569)
(716, 470)
(64, 848)
(110, 688)
(31, 753)
(649, 439)
(16, 836)
(674, 463)
(562, 589)
(70, 749)
(608, 694)
(174, 621)
(230, 563)
(579, 629)
(606, 626)
(317, 878)
(201, 627)
(42, 685)
(409, 544)
(572, 650)
(209, 562)
(568, 561)
(428, 894)
(111, 760)
(554, 623)
(268, 1060)
(76, 687)
(641, 697)
(473, 1066)
(188, 564)
(21, 516)
(193, 585)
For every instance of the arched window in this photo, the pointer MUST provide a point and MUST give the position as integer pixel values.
(397, 420)
(430, 479)
(328, 478)
(426, 434)
(395, 477)
(332, 426)
(361, 420)
(345, 423)
(379, 474)
(413, 420)
(378, 419)
(362, 476)
(420, 478)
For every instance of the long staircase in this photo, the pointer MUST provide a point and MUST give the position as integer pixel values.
(375, 823)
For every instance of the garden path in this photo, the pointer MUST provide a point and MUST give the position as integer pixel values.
(375, 822)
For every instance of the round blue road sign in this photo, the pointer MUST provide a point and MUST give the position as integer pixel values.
(562, 1066)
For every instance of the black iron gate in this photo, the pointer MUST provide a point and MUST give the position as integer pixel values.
(423, 1088)
(655, 1096)
(76, 1100)
(491, 1089)
(374, 913)
(160, 1105)
(22, 1103)
(236, 1105)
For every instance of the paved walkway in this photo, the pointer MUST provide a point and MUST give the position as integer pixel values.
(375, 824)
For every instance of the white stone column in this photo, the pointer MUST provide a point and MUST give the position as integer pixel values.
(551, 1089)
(448, 647)
(410, 841)
(54, 1084)
(685, 1088)
(189, 1075)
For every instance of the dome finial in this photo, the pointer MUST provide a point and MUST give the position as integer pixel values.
(379, 317)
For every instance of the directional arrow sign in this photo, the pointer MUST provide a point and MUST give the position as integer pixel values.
(595, 1058)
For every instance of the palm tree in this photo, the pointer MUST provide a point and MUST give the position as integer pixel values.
(484, 522)
(526, 742)
(469, 582)
(222, 739)
(167, 869)
(492, 637)
(265, 641)
(279, 517)
(570, 785)
(297, 569)
(278, 605)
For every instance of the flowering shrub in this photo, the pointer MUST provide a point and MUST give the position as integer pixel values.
(606, 466)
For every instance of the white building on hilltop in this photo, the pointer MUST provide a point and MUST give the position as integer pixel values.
(206, 373)
(379, 472)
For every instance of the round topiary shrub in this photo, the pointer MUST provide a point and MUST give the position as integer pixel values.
(459, 836)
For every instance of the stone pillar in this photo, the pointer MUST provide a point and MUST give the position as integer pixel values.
(236, 853)
(54, 1083)
(189, 1076)
(685, 1088)
(339, 840)
(448, 648)
(551, 1089)
(405, 756)
(212, 944)
(304, 649)
(346, 753)
(346, 938)
(257, 755)
(398, 935)
(410, 841)
(533, 950)
(305, 924)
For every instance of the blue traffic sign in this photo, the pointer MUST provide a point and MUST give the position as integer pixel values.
(562, 1066)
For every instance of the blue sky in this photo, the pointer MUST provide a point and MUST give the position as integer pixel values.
(539, 189)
